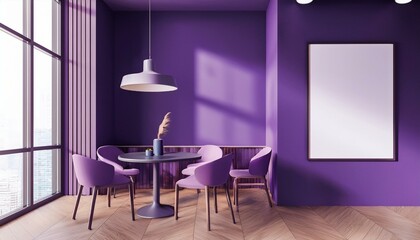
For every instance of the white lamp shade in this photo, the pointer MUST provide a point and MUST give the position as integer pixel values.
(304, 1)
(148, 80)
(402, 1)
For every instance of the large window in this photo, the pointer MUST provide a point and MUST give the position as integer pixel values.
(30, 94)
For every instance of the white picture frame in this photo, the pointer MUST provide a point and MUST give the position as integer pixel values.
(351, 102)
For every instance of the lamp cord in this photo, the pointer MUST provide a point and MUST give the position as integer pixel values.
(150, 31)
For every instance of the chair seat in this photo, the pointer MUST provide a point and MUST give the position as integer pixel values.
(188, 171)
(128, 172)
(195, 164)
(190, 182)
(241, 173)
(191, 168)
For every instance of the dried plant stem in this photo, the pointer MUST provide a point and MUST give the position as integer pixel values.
(164, 126)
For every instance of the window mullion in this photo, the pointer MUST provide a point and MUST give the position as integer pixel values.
(31, 132)
(48, 51)
(54, 171)
(26, 95)
(27, 176)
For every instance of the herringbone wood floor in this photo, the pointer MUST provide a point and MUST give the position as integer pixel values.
(255, 220)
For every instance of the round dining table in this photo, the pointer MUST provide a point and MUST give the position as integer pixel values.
(156, 209)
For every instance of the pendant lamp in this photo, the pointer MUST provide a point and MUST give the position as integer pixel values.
(304, 1)
(402, 1)
(148, 80)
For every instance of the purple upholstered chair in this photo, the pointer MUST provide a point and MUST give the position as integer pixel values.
(96, 174)
(208, 153)
(210, 174)
(109, 154)
(258, 167)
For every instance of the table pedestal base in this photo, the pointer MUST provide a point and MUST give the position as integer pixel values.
(155, 210)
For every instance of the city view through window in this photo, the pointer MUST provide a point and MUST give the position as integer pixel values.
(30, 99)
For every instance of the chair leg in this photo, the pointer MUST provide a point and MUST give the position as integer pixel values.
(92, 207)
(109, 196)
(77, 201)
(115, 192)
(133, 181)
(208, 206)
(236, 194)
(176, 201)
(234, 191)
(229, 202)
(130, 189)
(215, 199)
(266, 191)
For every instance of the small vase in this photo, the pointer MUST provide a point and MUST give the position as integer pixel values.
(148, 153)
(157, 147)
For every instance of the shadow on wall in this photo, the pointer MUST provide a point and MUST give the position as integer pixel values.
(299, 184)
(228, 104)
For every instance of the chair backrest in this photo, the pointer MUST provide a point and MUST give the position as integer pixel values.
(109, 154)
(259, 163)
(209, 153)
(90, 172)
(214, 173)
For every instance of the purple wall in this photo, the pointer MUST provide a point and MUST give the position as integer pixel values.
(104, 74)
(272, 91)
(347, 183)
(218, 60)
(212, 52)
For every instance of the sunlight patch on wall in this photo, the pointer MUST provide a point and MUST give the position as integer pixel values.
(225, 82)
(227, 108)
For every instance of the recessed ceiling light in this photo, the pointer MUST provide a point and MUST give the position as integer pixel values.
(402, 1)
(309, 1)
